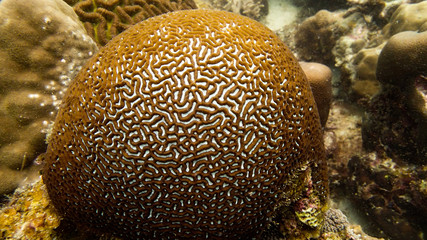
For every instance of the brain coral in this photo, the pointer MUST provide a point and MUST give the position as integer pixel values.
(104, 19)
(194, 123)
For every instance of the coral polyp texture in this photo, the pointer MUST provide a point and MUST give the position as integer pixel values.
(192, 124)
(104, 19)
(42, 46)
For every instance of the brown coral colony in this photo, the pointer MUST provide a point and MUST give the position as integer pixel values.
(191, 124)
(105, 19)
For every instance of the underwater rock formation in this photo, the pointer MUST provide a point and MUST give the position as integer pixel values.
(105, 19)
(194, 123)
(42, 46)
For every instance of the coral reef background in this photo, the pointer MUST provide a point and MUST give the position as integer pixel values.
(375, 133)
(42, 46)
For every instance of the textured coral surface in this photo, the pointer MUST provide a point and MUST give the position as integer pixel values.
(29, 215)
(194, 123)
(104, 19)
(42, 46)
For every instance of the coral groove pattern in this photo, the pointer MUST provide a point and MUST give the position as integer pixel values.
(104, 19)
(192, 124)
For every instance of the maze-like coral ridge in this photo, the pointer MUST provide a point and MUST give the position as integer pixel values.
(105, 19)
(189, 124)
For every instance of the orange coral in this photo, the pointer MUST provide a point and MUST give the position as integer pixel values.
(191, 124)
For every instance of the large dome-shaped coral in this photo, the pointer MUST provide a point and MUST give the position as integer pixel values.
(193, 124)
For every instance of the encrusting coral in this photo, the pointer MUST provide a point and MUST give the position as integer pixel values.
(29, 214)
(42, 46)
(392, 195)
(105, 19)
(194, 124)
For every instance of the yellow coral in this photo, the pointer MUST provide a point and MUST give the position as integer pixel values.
(29, 214)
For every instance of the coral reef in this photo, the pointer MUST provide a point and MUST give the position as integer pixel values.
(408, 17)
(251, 8)
(317, 35)
(105, 19)
(42, 46)
(356, 53)
(396, 119)
(388, 195)
(366, 84)
(380, 183)
(320, 78)
(168, 139)
(392, 195)
(29, 214)
(403, 59)
(389, 179)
